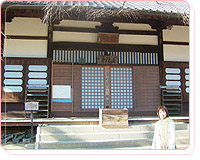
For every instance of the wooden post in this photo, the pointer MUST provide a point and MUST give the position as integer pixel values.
(31, 106)
(50, 58)
(159, 26)
(31, 126)
(73, 86)
(160, 54)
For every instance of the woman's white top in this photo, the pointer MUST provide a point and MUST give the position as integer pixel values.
(171, 137)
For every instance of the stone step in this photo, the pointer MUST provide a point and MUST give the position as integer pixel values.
(180, 146)
(96, 137)
(109, 144)
(96, 128)
(102, 136)
(93, 144)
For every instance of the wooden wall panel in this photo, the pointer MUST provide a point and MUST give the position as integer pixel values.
(62, 107)
(64, 74)
(146, 88)
(12, 107)
(25, 62)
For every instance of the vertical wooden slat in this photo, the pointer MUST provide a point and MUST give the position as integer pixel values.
(117, 54)
(92, 57)
(60, 55)
(156, 58)
(125, 62)
(66, 55)
(136, 57)
(133, 57)
(95, 56)
(71, 55)
(77, 56)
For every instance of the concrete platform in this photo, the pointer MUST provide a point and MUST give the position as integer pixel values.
(79, 120)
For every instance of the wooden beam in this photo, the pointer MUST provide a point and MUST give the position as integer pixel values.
(93, 30)
(27, 37)
(176, 43)
(73, 29)
(136, 32)
(111, 47)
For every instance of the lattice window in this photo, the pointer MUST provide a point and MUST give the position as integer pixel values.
(187, 80)
(173, 77)
(176, 74)
(136, 58)
(92, 87)
(37, 74)
(121, 88)
(90, 57)
(13, 78)
(76, 56)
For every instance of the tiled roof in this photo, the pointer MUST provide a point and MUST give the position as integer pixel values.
(155, 6)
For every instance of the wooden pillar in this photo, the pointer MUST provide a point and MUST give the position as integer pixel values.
(160, 53)
(2, 39)
(50, 41)
(50, 58)
(159, 26)
(160, 45)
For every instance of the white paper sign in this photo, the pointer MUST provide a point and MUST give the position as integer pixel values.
(61, 91)
(31, 106)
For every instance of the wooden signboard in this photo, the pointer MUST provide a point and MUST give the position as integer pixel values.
(108, 38)
(113, 118)
(107, 60)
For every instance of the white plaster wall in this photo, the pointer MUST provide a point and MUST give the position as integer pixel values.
(177, 34)
(25, 48)
(26, 27)
(176, 53)
(138, 39)
(74, 37)
(59, 36)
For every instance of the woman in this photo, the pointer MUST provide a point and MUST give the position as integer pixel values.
(164, 134)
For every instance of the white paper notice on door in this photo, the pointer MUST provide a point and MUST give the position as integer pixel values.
(61, 91)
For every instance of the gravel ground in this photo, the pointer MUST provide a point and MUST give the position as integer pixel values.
(17, 146)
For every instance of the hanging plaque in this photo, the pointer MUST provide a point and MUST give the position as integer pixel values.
(107, 60)
(108, 38)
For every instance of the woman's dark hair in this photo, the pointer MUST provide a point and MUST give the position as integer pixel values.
(163, 108)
